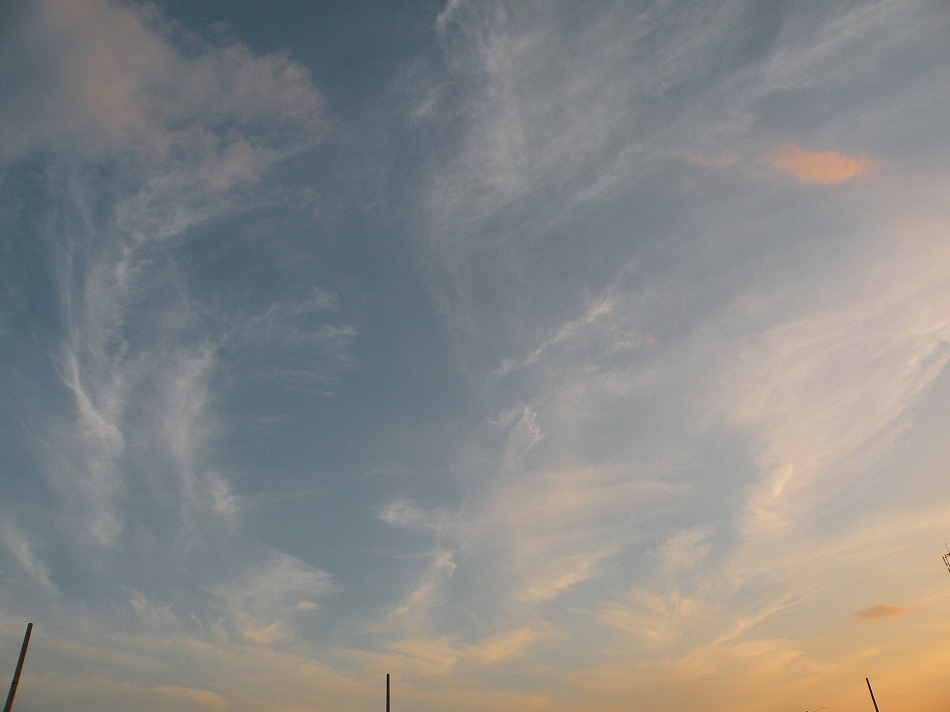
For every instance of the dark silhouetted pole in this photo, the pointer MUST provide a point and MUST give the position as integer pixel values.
(387, 692)
(19, 667)
(872, 695)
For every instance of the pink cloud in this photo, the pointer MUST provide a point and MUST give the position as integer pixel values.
(825, 167)
(880, 611)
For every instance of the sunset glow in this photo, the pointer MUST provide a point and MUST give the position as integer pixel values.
(548, 356)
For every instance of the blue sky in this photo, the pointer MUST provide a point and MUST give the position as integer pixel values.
(547, 356)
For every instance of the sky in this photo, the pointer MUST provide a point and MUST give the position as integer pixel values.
(547, 356)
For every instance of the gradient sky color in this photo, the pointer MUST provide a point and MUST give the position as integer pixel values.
(551, 356)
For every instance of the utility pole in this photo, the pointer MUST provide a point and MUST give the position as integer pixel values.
(19, 667)
(387, 692)
(872, 695)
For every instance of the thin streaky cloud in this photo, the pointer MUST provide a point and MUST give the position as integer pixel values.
(268, 599)
(564, 333)
(882, 610)
(504, 647)
(816, 412)
(428, 593)
(23, 550)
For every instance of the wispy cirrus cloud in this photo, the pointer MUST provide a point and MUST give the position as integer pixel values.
(536, 532)
(533, 155)
(122, 80)
(569, 332)
(686, 307)
(811, 405)
(684, 387)
(269, 595)
(428, 593)
(188, 127)
(146, 133)
(537, 120)
(315, 345)
(25, 554)
(207, 676)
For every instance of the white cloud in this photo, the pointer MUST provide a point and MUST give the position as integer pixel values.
(24, 552)
(551, 579)
(121, 80)
(187, 127)
(535, 532)
(504, 647)
(146, 133)
(766, 351)
(403, 513)
(263, 603)
(567, 332)
(685, 552)
(314, 350)
(563, 108)
(155, 619)
(446, 14)
(826, 389)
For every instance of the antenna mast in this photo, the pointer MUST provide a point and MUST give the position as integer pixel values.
(19, 667)
(387, 692)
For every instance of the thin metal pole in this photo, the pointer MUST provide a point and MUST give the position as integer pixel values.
(387, 692)
(19, 668)
(872, 695)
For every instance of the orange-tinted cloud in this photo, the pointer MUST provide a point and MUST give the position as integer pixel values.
(880, 611)
(827, 167)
